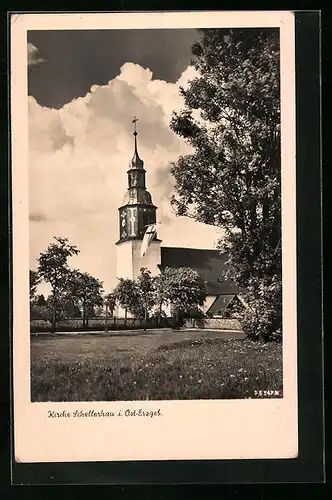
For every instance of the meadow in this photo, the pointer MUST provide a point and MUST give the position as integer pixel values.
(153, 365)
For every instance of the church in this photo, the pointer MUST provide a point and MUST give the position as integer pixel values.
(137, 211)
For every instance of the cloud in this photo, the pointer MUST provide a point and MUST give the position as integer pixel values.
(37, 217)
(78, 158)
(33, 55)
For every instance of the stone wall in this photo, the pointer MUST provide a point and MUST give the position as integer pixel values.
(214, 324)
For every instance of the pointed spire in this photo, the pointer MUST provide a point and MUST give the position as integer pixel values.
(136, 162)
(135, 120)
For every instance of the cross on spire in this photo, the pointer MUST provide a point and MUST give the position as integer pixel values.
(135, 120)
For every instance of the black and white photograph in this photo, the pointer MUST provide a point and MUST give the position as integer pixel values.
(155, 214)
(155, 185)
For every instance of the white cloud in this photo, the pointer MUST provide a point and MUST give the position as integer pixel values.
(33, 55)
(78, 160)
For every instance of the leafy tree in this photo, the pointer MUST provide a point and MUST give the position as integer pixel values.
(127, 295)
(38, 308)
(231, 119)
(184, 289)
(110, 301)
(40, 300)
(34, 282)
(53, 269)
(86, 292)
(160, 295)
(145, 284)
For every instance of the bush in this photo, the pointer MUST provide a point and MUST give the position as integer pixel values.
(263, 317)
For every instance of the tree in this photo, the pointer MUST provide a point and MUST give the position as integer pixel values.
(127, 295)
(110, 303)
(160, 295)
(86, 292)
(34, 282)
(146, 294)
(38, 308)
(232, 179)
(184, 289)
(53, 269)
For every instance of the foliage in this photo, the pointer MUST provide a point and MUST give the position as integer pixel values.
(146, 294)
(264, 314)
(197, 368)
(86, 291)
(34, 282)
(184, 289)
(39, 309)
(159, 296)
(110, 302)
(127, 295)
(53, 269)
(136, 296)
(231, 120)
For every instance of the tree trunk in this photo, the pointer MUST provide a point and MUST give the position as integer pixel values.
(145, 315)
(84, 313)
(106, 318)
(159, 315)
(53, 327)
(125, 323)
(176, 318)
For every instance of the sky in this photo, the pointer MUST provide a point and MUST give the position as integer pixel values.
(84, 88)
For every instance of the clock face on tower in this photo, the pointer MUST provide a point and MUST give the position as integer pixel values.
(123, 225)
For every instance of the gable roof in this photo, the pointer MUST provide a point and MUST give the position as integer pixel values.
(209, 264)
(221, 303)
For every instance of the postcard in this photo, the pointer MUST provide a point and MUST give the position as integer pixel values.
(154, 236)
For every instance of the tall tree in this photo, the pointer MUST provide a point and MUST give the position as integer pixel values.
(34, 282)
(53, 269)
(85, 291)
(232, 179)
(184, 289)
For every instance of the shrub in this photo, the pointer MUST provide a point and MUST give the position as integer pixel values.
(263, 317)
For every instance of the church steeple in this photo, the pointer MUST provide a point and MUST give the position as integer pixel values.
(136, 162)
(137, 210)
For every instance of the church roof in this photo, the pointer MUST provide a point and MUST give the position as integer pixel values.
(221, 303)
(209, 264)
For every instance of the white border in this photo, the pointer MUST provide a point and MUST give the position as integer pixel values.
(188, 429)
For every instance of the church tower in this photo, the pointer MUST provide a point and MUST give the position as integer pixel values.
(135, 214)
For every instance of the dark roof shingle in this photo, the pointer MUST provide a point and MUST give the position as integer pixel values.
(209, 264)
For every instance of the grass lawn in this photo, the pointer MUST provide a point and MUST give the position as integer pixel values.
(153, 365)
